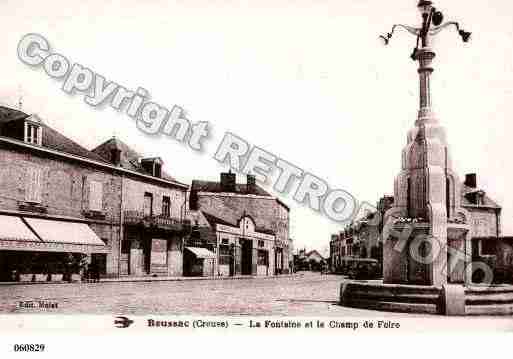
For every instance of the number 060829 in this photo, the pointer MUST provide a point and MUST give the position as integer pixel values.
(29, 347)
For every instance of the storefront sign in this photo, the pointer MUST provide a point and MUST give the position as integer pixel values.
(245, 233)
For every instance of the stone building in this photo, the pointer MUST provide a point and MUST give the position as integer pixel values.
(246, 227)
(153, 213)
(362, 238)
(58, 198)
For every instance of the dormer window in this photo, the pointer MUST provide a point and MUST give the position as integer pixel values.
(476, 197)
(33, 133)
(480, 198)
(153, 166)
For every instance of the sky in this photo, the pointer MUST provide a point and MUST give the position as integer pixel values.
(308, 81)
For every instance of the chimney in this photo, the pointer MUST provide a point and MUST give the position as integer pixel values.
(471, 180)
(251, 184)
(228, 181)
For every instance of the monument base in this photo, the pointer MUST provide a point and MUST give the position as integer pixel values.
(451, 299)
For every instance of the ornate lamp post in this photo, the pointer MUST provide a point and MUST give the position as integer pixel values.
(432, 24)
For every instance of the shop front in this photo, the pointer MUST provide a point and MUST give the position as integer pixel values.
(243, 250)
(35, 249)
(151, 246)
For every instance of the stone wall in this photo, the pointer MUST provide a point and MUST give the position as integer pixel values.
(484, 222)
(170, 262)
(64, 185)
(110, 235)
(133, 197)
(65, 191)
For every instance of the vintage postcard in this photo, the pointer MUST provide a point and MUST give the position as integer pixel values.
(226, 166)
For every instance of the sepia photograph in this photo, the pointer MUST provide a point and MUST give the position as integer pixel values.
(230, 166)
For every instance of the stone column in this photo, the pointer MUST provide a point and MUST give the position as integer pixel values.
(425, 57)
(420, 188)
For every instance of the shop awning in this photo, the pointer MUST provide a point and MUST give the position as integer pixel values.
(64, 232)
(13, 229)
(201, 252)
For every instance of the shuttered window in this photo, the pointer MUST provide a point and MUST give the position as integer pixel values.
(166, 206)
(33, 189)
(95, 196)
(148, 204)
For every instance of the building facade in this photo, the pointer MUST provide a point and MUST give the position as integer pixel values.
(246, 227)
(152, 216)
(362, 238)
(61, 203)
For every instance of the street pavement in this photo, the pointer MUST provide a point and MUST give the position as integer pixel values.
(309, 294)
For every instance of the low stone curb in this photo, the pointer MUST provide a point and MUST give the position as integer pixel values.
(158, 279)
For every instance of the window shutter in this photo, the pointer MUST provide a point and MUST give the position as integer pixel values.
(148, 204)
(33, 185)
(95, 196)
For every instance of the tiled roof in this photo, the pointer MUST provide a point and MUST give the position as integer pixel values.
(8, 114)
(129, 159)
(51, 138)
(54, 140)
(487, 201)
(215, 187)
(213, 220)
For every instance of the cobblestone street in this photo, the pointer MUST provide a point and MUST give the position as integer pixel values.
(307, 294)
